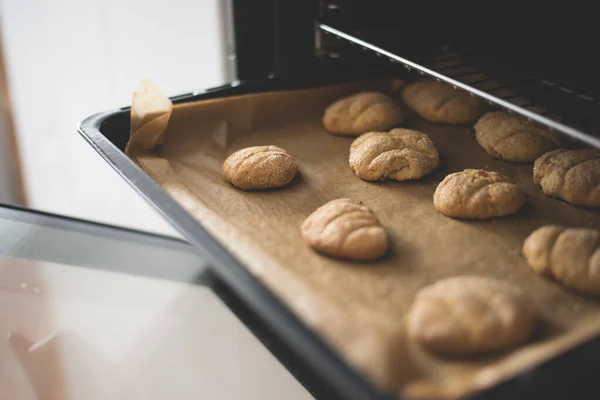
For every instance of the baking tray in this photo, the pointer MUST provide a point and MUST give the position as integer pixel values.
(108, 132)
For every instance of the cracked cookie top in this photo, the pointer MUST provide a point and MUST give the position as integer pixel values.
(512, 138)
(259, 167)
(438, 102)
(569, 255)
(470, 314)
(477, 194)
(401, 154)
(345, 228)
(572, 175)
(361, 113)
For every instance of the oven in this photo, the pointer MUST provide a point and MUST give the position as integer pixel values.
(538, 64)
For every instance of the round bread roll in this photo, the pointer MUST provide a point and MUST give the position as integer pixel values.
(438, 102)
(478, 194)
(468, 315)
(259, 167)
(345, 228)
(401, 154)
(572, 175)
(512, 138)
(361, 113)
(569, 255)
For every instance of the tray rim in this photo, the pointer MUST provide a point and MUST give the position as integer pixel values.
(301, 339)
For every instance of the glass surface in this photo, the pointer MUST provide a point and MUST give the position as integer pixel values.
(93, 312)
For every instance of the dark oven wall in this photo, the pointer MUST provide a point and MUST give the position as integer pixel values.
(273, 37)
(277, 37)
(554, 46)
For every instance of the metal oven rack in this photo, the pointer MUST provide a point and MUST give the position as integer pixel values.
(460, 71)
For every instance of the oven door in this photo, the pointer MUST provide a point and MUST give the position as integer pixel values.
(96, 312)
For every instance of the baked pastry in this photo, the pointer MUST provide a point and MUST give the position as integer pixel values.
(512, 138)
(569, 255)
(572, 175)
(466, 315)
(259, 167)
(438, 102)
(345, 228)
(401, 154)
(477, 194)
(361, 113)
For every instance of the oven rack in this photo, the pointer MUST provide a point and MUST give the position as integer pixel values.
(455, 68)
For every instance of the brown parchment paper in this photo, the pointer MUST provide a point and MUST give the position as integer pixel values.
(360, 308)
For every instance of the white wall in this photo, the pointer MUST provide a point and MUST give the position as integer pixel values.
(67, 59)
(8, 181)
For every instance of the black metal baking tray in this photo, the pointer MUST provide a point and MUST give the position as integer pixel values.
(108, 132)
(572, 375)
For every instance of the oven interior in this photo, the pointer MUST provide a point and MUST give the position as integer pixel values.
(539, 63)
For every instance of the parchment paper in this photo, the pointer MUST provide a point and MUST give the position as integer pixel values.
(360, 308)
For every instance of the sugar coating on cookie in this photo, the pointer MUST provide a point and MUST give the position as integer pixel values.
(345, 228)
(478, 194)
(361, 113)
(401, 154)
(259, 167)
(468, 315)
(569, 255)
(512, 138)
(438, 102)
(572, 175)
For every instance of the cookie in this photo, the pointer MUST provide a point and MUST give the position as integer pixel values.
(345, 228)
(512, 138)
(401, 154)
(438, 102)
(468, 315)
(259, 167)
(572, 175)
(361, 113)
(569, 255)
(477, 194)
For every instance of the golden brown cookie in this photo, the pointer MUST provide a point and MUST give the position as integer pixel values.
(259, 167)
(477, 194)
(345, 228)
(512, 138)
(401, 154)
(361, 113)
(572, 175)
(569, 255)
(439, 102)
(470, 314)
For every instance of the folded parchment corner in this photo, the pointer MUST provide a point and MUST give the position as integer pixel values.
(150, 114)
